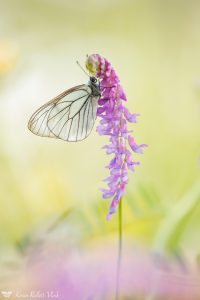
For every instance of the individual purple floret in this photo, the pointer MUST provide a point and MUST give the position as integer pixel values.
(114, 123)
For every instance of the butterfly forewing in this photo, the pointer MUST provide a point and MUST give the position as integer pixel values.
(70, 116)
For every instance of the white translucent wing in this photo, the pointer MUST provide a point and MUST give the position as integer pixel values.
(70, 116)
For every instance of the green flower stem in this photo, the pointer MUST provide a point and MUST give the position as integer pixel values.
(119, 250)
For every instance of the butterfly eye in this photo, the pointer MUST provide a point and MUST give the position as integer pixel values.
(93, 79)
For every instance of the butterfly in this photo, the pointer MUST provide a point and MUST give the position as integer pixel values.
(70, 116)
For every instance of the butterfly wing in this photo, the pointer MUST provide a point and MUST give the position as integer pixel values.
(70, 116)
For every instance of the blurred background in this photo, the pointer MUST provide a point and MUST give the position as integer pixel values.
(154, 47)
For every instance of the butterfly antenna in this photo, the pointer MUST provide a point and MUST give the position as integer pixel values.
(82, 68)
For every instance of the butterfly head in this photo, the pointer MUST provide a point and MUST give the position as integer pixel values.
(93, 83)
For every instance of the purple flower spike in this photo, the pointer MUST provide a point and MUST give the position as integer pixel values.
(114, 117)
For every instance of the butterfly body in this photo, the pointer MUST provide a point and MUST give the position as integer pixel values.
(70, 116)
(94, 86)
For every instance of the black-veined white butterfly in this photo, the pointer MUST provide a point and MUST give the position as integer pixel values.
(70, 116)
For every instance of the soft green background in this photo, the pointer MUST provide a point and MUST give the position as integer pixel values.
(154, 47)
